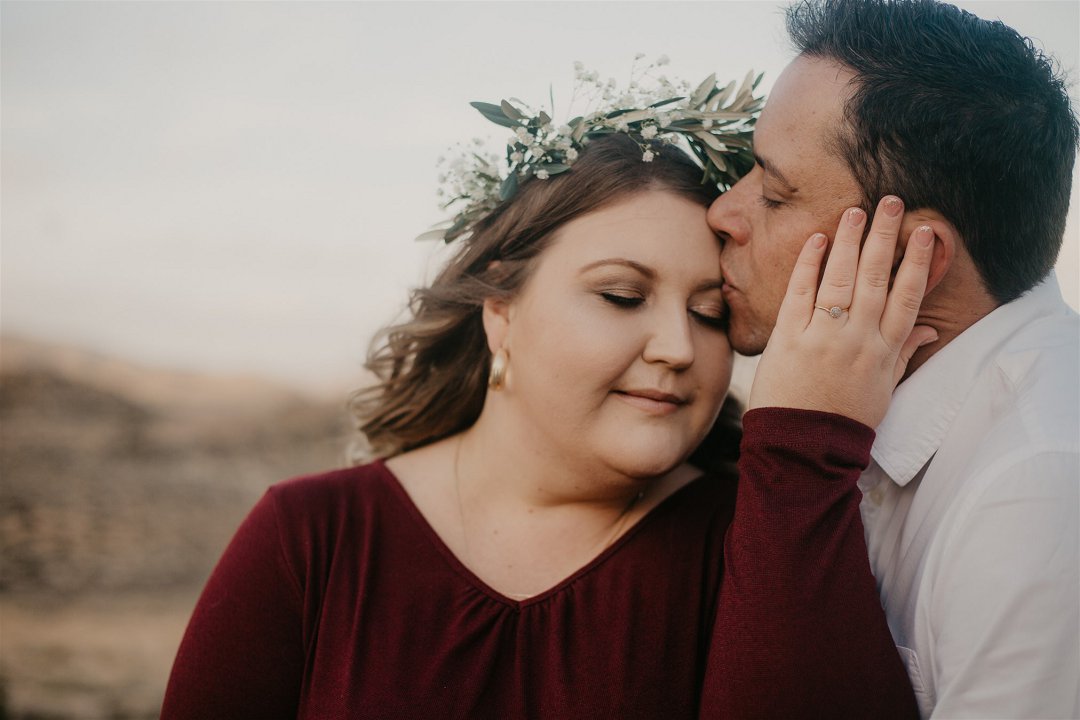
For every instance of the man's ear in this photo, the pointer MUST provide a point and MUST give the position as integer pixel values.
(946, 243)
(496, 319)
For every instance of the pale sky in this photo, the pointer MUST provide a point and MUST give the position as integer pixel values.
(235, 187)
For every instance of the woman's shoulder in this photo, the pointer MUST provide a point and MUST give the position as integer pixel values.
(353, 491)
(707, 500)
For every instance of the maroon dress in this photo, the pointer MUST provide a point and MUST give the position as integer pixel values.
(336, 599)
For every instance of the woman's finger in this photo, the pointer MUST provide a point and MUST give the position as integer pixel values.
(906, 296)
(798, 303)
(838, 280)
(876, 261)
(920, 335)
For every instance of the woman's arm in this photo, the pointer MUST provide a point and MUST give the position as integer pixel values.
(242, 655)
(800, 631)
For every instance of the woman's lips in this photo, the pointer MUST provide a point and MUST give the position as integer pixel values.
(653, 402)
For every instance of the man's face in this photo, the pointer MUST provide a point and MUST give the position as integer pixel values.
(799, 186)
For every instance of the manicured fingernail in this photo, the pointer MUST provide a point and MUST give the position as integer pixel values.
(929, 340)
(855, 216)
(893, 205)
(817, 241)
(924, 235)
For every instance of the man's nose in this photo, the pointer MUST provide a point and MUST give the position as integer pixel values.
(729, 213)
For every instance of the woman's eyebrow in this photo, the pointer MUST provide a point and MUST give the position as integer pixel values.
(633, 265)
(648, 272)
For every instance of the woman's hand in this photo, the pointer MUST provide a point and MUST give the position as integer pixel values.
(842, 347)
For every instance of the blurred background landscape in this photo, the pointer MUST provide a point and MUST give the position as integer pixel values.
(206, 211)
(121, 486)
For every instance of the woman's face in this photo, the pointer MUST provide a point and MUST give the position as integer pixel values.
(618, 353)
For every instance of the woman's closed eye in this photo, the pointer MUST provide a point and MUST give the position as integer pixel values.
(622, 298)
(710, 315)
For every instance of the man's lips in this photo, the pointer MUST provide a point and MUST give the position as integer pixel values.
(655, 402)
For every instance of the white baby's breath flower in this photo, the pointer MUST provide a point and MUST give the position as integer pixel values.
(649, 132)
(664, 119)
(565, 130)
(542, 174)
(516, 157)
(647, 156)
(571, 155)
(707, 123)
(622, 126)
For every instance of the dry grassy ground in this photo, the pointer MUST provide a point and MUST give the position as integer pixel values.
(119, 488)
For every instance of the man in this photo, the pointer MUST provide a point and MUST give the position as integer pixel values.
(971, 499)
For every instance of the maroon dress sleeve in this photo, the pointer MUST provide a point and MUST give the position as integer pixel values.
(242, 655)
(799, 630)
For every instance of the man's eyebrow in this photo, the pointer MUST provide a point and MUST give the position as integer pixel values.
(774, 171)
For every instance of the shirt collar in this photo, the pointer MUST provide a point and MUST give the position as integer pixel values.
(926, 403)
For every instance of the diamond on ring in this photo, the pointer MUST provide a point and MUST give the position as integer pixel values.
(834, 312)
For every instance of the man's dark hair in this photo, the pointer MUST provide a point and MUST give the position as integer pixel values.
(957, 114)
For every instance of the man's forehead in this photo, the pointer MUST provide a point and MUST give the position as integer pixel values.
(801, 118)
(808, 95)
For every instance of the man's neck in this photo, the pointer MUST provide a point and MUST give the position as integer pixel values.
(951, 308)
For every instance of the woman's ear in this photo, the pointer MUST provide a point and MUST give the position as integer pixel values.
(496, 318)
(946, 243)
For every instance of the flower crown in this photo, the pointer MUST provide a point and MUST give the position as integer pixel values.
(714, 124)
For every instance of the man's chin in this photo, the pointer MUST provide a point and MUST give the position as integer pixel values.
(747, 341)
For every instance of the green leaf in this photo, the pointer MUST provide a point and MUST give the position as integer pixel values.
(710, 140)
(456, 229)
(579, 130)
(702, 93)
(720, 97)
(555, 168)
(631, 116)
(509, 187)
(716, 158)
(544, 118)
(439, 234)
(495, 114)
(662, 103)
(510, 111)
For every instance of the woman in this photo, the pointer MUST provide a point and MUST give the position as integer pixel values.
(534, 542)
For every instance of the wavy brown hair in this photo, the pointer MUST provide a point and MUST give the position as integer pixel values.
(432, 369)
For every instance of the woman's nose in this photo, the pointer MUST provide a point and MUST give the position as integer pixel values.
(671, 341)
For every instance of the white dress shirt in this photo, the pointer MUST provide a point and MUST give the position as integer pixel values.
(971, 508)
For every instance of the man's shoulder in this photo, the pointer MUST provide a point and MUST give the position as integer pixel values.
(1035, 381)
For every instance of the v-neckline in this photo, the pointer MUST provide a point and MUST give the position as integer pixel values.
(478, 583)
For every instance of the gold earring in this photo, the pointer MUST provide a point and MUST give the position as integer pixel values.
(499, 363)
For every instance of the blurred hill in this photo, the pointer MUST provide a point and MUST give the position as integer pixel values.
(120, 486)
